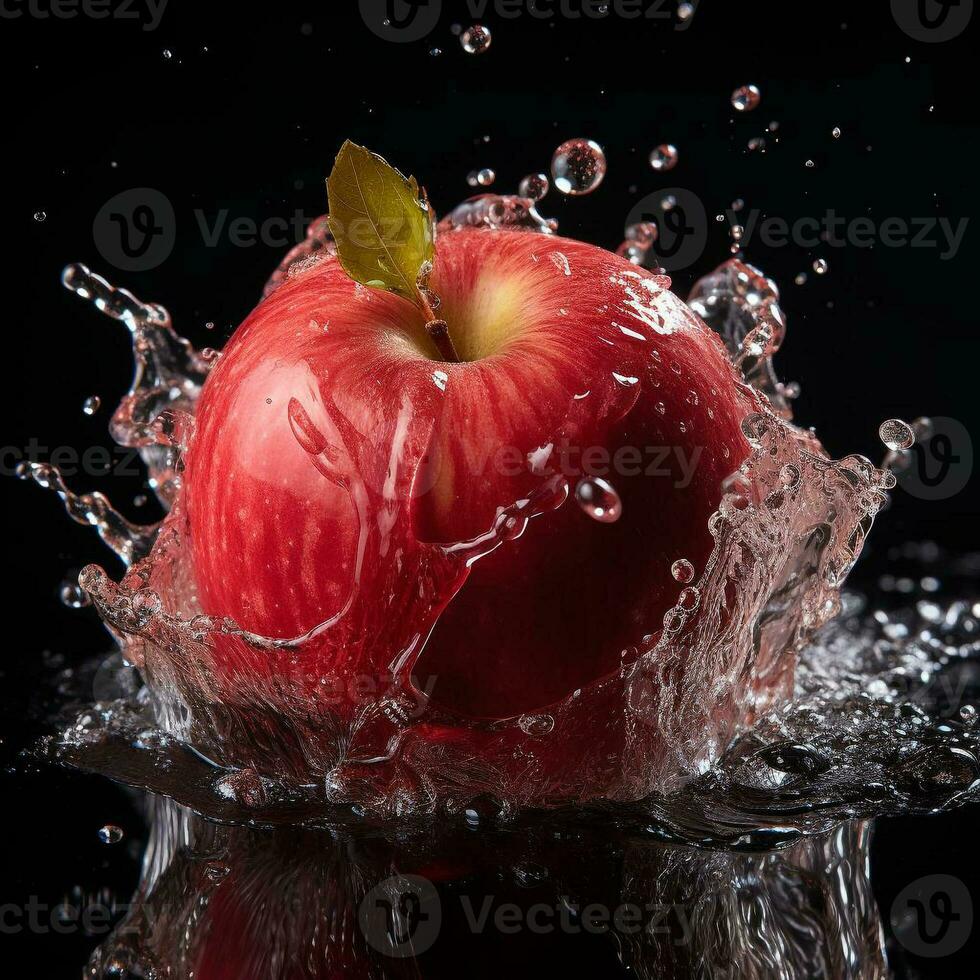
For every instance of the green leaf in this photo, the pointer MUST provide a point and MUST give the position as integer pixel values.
(382, 227)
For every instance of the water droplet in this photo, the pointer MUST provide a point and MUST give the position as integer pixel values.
(91, 404)
(167, 54)
(534, 186)
(835, 132)
(809, 165)
(578, 166)
(756, 145)
(475, 39)
(820, 266)
(485, 177)
(435, 52)
(746, 98)
(664, 157)
(643, 233)
(968, 715)
(40, 215)
(599, 500)
(73, 595)
(685, 11)
(536, 724)
(896, 435)
(111, 834)
(682, 570)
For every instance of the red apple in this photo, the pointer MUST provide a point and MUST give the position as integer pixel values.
(336, 454)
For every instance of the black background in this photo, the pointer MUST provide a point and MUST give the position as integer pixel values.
(246, 115)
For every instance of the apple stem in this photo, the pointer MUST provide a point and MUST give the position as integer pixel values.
(438, 330)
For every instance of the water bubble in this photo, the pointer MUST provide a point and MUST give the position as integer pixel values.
(485, 177)
(216, 871)
(809, 164)
(746, 98)
(435, 52)
(536, 724)
(40, 215)
(599, 500)
(689, 599)
(789, 476)
(244, 786)
(685, 11)
(111, 834)
(756, 145)
(682, 570)
(820, 266)
(754, 427)
(168, 54)
(534, 186)
(896, 435)
(475, 39)
(664, 157)
(91, 404)
(835, 132)
(968, 715)
(578, 166)
(73, 595)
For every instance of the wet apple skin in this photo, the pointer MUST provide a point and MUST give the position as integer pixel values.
(275, 545)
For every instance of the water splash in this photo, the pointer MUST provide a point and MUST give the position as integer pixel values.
(788, 530)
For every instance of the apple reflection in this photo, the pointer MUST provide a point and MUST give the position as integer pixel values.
(232, 903)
